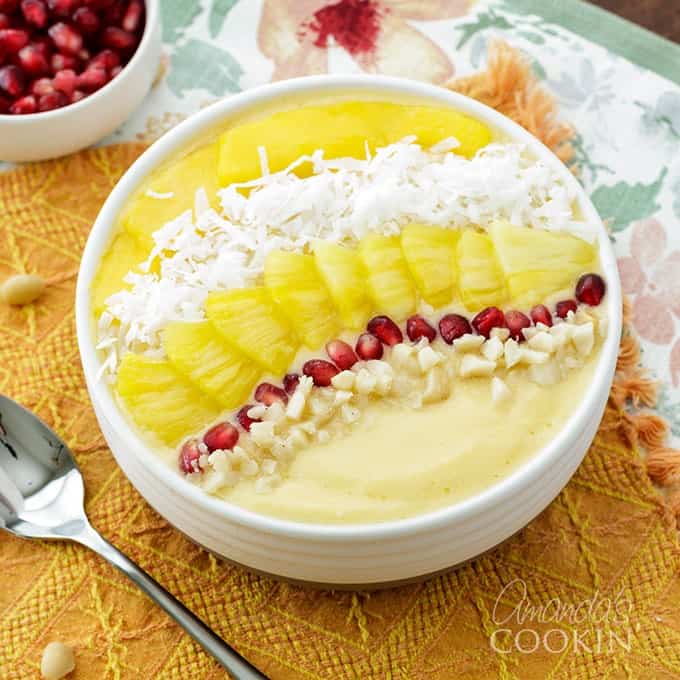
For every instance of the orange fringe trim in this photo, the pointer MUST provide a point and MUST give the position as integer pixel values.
(509, 86)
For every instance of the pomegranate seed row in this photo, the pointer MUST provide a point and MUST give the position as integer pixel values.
(381, 331)
(56, 52)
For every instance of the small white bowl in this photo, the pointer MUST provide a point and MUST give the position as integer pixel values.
(352, 555)
(39, 136)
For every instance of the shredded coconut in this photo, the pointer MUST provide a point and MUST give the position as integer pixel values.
(343, 200)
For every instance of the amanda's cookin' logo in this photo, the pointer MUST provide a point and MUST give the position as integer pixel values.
(597, 624)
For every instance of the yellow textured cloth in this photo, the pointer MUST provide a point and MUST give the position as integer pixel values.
(607, 537)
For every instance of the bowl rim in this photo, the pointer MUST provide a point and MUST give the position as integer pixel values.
(152, 19)
(364, 86)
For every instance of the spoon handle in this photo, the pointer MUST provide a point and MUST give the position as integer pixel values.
(229, 658)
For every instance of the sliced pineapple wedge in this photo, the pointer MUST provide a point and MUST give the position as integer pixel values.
(342, 272)
(539, 263)
(249, 320)
(124, 254)
(170, 192)
(198, 351)
(387, 276)
(480, 278)
(295, 285)
(161, 400)
(430, 253)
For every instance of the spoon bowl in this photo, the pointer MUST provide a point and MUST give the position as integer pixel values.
(41, 496)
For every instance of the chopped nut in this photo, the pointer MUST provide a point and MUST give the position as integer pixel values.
(492, 349)
(499, 390)
(262, 433)
(57, 661)
(305, 385)
(561, 333)
(437, 385)
(468, 342)
(274, 412)
(512, 353)
(323, 437)
(22, 289)
(501, 333)
(532, 356)
(365, 381)
(583, 338)
(543, 342)
(296, 405)
(428, 358)
(349, 414)
(343, 380)
(257, 412)
(472, 366)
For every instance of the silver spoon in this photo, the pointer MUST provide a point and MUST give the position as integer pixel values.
(41, 492)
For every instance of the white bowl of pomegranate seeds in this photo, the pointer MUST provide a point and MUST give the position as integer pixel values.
(360, 553)
(71, 71)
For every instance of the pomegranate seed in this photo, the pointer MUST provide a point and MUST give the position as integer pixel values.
(5, 104)
(13, 39)
(417, 327)
(61, 8)
(34, 12)
(33, 61)
(590, 289)
(541, 314)
(563, 308)
(24, 105)
(98, 4)
(77, 96)
(41, 86)
(488, 318)
(132, 18)
(86, 20)
(320, 371)
(245, 421)
(43, 44)
(188, 457)
(118, 39)
(65, 81)
(369, 347)
(12, 80)
(65, 38)
(453, 326)
(106, 59)
(385, 330)
(223, 436)
(4, 21)
(115, 71)
(267, 394)
(92, 79)
(114, 12)
(516, 321)
(342, 354)
(51, 101)
(290, 382)
(59, 62)
(8, 5)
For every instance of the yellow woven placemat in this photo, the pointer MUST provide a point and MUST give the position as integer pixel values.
(607, 547)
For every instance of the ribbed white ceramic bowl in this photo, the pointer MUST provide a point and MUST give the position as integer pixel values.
(366, 554)
(50, 134)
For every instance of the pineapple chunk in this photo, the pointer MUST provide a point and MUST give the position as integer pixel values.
(430, 253)
(341, 270)
(387, 276)
(432, 124)
(123, 255)
(480, 278)
(200, 353)
(341, 129)
(295, 285)
(540, 263)
(161, 400)
(249, 320)
(181, 178)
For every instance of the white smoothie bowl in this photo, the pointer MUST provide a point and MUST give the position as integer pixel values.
(359, 554)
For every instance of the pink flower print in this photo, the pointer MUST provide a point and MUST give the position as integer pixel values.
(296, 36)
(651, 277)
